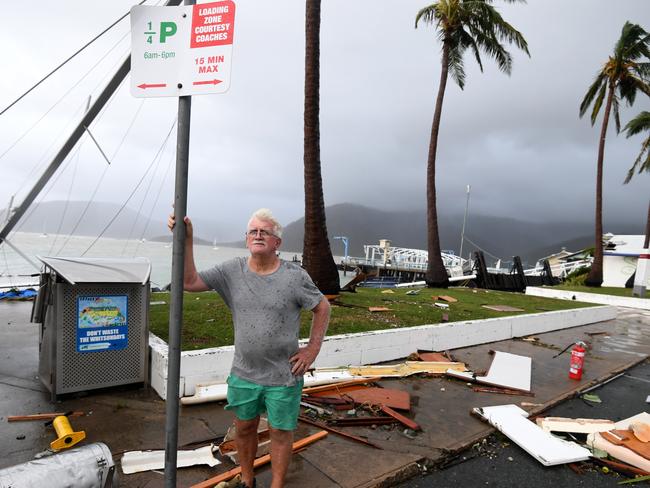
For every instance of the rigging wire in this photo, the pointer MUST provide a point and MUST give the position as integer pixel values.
(101, 179)
(66, 61)
(144, 198)
(24, 134)
(155, 202)
(67, 202)
(481, 249)
(77, 149)
(162, 146)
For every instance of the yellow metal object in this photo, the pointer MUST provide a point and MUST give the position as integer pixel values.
(67, 437)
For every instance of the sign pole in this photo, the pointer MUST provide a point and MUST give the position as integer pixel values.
(176, 303)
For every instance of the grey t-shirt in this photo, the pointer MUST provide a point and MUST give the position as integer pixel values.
(266, 316)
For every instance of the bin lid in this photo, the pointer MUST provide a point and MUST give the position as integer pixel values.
(100, 270)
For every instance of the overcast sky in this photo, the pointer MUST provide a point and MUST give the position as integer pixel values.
(516, 140)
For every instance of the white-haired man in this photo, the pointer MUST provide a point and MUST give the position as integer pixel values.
(266, 295)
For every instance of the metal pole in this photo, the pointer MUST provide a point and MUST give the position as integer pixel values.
(176, 300)
(462, 234)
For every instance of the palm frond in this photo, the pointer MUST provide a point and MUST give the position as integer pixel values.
(427, 15)
(591, 93)
(640, 164)
(598, 102)
(456, 66)
(616, 112)
(638, 124)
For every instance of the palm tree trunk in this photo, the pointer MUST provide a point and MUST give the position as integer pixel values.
(436, 275)
(646, 242)
(317, 256)
(595, 276)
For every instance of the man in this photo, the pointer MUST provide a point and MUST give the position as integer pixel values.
(265, 295)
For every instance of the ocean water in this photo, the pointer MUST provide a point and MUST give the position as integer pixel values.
(16, 271)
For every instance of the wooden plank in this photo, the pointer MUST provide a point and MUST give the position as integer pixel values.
(209, 483)
(407, 368)
(398, 416)
(575, 426)
(382, 396)
(503, 308)
(433, 357)
(326, 427)
(379, 309)
(447, 298)
(43, 416)
(336, 386)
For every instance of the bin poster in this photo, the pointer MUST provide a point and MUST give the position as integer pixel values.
(102, 323)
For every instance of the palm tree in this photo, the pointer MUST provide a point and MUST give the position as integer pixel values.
(317, 256)
(461, 25)
(624, 72)
(641, 123)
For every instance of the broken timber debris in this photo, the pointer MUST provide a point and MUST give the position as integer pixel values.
(503, 308)
(43, 416)
(370, 395)
(621, 452)
(326, 427)
(574, 426)
(259, 461)
(407, 368)
(628, 439)
(379, 309)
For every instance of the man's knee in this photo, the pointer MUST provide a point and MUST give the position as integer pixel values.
(247, 427)
(281, 436)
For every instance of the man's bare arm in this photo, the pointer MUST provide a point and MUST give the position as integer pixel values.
(305, 357)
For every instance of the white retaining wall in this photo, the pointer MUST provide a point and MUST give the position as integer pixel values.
(631, 302)
(213, 364)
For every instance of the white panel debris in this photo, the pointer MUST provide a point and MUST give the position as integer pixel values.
(508, 371)
(137, 461)
(543, 446)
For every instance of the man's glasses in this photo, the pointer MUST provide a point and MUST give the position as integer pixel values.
(262, 232)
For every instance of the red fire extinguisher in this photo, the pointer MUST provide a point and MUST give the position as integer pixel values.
(577, 363)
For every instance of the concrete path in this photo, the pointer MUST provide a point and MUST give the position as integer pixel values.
(134, 418)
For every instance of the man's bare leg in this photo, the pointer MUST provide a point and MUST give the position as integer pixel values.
(246, 441)
(281, 450)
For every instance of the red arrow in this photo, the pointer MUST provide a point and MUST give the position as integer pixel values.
(144, 86)
(208, 82)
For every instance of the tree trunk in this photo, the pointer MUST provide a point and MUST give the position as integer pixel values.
(436, 275)
(317, 256)
(595, 276)
(646, 242)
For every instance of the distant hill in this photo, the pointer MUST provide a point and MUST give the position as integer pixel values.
(501, 237)
(497, 236)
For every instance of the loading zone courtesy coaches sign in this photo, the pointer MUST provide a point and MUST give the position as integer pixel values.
(102, 323)
(178, 51)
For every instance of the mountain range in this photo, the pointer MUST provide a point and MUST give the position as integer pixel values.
(496, 236)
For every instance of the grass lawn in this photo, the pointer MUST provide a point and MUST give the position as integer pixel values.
(207, 321)
(603, 290)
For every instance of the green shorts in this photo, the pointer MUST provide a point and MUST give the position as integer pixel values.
(282, 403)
